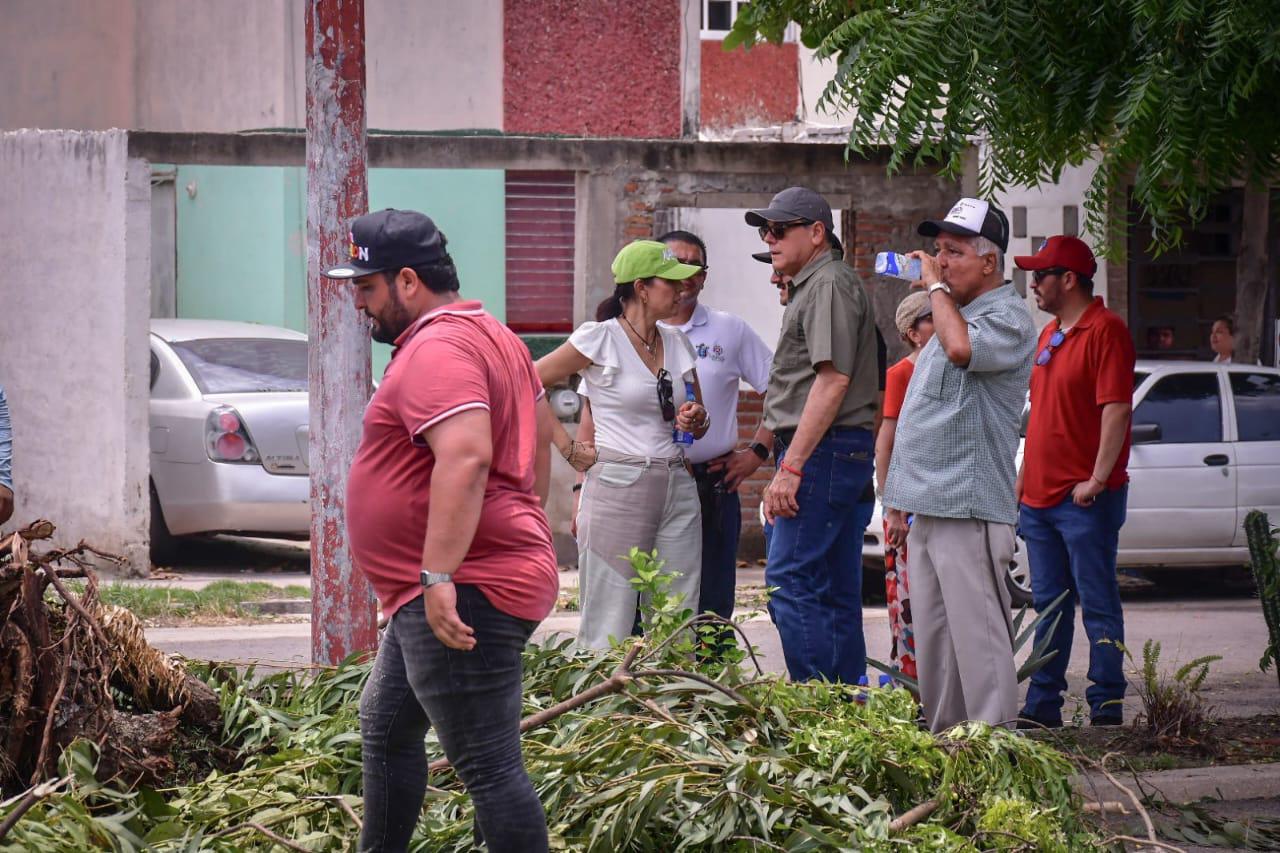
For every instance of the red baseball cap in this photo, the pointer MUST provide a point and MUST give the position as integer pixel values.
(1070, 253)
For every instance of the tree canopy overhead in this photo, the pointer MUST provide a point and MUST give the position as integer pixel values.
(1179, 95)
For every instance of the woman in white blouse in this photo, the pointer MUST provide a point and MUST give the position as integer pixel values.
(637, 491)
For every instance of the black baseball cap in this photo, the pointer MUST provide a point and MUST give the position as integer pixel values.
(971, 217)
(391, 239)
(796, 203)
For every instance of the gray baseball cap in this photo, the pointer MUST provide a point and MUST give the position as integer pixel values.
(795, 203)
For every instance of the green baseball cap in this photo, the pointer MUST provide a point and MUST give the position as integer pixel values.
(649, 259)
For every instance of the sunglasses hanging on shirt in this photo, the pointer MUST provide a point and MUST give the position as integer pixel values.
(666, 396)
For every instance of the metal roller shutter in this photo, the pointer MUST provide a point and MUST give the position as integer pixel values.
(540, 227)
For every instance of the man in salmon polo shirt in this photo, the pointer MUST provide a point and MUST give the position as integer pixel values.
(444, 518)
(1073, 484)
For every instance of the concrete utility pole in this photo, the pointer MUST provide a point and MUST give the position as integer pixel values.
(343, 618)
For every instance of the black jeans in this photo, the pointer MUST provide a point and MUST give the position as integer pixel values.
(473, 700)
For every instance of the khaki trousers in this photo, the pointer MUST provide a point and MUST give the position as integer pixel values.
(634, 502)
(960, 612)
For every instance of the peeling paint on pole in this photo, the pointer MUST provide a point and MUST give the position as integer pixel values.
(342, 613)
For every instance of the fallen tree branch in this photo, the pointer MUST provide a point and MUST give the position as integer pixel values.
(27, 800)
(74, 603)
(1159, 845)
(342, 803)
(699, 677)
(913, 816)
(615, 683)
(1133, 798)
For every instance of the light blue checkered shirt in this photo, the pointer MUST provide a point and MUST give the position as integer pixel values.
(957, 435)
(6, 444)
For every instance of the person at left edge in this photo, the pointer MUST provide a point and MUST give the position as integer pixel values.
(444, 518)
(729, 351)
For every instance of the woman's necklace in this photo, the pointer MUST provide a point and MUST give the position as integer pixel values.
(649, 345)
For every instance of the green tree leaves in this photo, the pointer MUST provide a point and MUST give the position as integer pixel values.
(1172, 96)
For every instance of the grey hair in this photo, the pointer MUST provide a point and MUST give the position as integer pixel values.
(984, 246)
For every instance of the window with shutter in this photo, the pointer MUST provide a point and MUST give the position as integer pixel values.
(540, 225)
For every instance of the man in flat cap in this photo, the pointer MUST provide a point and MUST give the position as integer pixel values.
(953, 469)
(820, 408)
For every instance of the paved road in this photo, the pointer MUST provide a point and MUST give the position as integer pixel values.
(1190, 614)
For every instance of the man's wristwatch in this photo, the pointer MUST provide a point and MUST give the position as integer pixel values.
(940, 285)
(430, 579)
(759, 449)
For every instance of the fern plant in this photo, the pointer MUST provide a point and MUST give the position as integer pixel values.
(1171, 707)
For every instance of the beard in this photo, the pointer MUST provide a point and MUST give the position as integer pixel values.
(391, 323)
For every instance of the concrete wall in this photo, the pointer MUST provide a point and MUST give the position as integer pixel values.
(196, 65)
(65, 63)
(240, 252)
(434, 66)
(751, 88)
(593, 68)
(75, 230)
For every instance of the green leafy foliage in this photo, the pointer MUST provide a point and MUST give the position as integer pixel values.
(694, 754)
(1177, 96)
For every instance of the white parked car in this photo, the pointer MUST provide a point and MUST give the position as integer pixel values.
(1206, 451)
(229, 416)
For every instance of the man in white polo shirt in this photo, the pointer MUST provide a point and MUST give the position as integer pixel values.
(728, 352)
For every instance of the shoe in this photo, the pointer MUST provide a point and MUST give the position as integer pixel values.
(1107, 720)
(1028, 721)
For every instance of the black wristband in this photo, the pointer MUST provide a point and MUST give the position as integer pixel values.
(759, 449)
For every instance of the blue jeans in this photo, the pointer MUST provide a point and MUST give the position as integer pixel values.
(721, 529)
(473, 701)
(815, 561)
(1073, 549)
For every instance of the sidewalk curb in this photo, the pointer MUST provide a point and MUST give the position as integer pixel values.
(1185, 785)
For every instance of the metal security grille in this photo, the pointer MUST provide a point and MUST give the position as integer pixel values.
(540, 225)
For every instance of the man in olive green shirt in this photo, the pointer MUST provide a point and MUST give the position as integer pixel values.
(820, 406)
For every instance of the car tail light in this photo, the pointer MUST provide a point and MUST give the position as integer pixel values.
(226, 439)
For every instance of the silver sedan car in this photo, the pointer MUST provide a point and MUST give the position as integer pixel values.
(229, 416)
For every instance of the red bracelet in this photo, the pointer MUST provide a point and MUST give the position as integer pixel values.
(785, 467)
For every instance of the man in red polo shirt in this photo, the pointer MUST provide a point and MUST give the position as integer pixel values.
(444, 517)
(1073, 484)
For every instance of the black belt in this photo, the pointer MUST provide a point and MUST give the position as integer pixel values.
(786, 435)
(703, 474)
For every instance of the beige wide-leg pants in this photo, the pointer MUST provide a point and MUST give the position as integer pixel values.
(960, 612)
(641, 502)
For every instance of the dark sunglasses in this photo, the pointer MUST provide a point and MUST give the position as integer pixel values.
(780, 229)
(1041, 275)
(666, 396)
(1055, 340)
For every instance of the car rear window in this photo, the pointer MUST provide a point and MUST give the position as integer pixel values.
(245, 365)
(1257, 405)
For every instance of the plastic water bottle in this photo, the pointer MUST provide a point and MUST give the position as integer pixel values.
(678, 435)
(896, 265)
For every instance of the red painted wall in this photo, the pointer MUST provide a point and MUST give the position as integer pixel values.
(592, 67)
(753, 87)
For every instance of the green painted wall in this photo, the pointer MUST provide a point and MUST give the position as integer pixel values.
(241, 245)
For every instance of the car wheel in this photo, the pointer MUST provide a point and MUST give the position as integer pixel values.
(164, 545)
(1018, 577)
